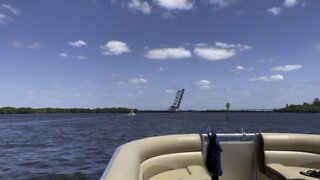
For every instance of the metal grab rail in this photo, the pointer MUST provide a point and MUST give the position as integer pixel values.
(236, 134)
(233, 135)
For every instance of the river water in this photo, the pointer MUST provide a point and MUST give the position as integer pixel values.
(79, 146)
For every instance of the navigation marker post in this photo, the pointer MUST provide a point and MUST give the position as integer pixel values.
(228, 107)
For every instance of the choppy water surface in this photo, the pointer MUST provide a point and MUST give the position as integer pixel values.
(79, 146)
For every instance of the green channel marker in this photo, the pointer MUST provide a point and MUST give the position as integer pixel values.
(228, 105)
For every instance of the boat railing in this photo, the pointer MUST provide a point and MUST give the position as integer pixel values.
(236, 135)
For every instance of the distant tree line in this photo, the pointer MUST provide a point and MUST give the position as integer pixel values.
(28, 110)
(305, 107)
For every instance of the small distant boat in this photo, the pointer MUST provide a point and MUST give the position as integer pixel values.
(131, 113)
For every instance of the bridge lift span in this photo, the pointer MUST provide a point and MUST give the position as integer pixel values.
(177, 101)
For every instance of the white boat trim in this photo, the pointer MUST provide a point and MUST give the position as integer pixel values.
(106, 171)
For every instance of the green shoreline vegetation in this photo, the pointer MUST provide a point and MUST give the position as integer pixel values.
(28, 110)
(305, 107)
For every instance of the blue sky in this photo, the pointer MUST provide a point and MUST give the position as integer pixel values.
(137, 53)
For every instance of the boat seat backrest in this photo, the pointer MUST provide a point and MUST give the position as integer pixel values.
(298, 150)
(144, 158)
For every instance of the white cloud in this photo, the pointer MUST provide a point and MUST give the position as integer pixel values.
(272, 78)
(4, 18)
(138, 80)
(221, 3)
(17, 44)
(204, 84)
(34, 46)
(304, 4)
(275, 10)
(219, 51)
(168, 53)
(79, 43)
(31, 92)
(169, 15)
(22, 44)
(120, 82)
(115, 47)
(213, 53)
(240, 47)
(285, 68)
(175, 4)
(238, 13)
(6, 13)
(290, 3)
(10, 8)
(81, 57)
(169, 91)
(265, 60)
(318, 46)
(240, 67)
(64, 55)
(139, 6)
(161, 69)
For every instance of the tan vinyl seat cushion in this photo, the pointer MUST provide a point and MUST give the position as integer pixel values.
(279, 171)
(145, 158)
(188, 173)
